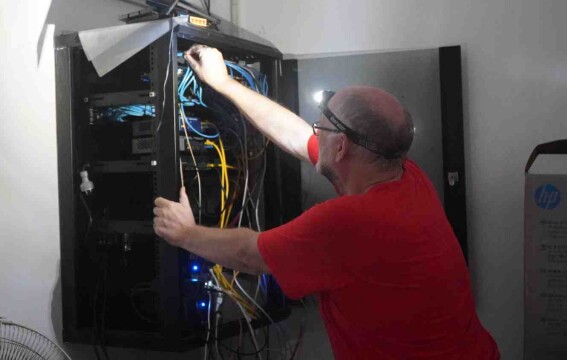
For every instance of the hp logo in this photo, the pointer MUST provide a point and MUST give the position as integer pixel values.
(547, 197)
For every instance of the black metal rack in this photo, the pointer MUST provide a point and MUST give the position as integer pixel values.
(79, 91)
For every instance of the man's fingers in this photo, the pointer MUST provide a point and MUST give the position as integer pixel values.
(160, 223)
(191, 60)
(156, 224)
(183, 199)
(161, 202)
(196, 48)
(158, 228)
(193, 55)
(158, 211)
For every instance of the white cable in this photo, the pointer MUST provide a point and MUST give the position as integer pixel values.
(166, 76)
(184, 119)
(261, 286)
(258, 287)
(243, 197)
(246, 167)
(253, 302)
(257, 214)
(246, 316)
(277, 326)
(215, 278)
(252, 334)
(257, 206)
(217, 320)
(208, 328)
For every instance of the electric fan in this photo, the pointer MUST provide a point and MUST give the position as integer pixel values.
(18, 342)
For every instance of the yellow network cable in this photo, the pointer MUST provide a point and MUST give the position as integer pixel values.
(231, 167)
(227, 182)
(225, 216)
(224, 186)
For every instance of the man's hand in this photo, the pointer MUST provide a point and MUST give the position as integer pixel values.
(173, 219)
(209, 65)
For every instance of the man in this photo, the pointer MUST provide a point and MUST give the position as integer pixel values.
(382, 258)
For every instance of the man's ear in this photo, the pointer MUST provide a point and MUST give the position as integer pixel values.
(343, 145)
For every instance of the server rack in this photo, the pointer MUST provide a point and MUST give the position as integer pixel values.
(120, 283)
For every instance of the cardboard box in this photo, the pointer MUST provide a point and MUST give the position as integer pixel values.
(545, 258)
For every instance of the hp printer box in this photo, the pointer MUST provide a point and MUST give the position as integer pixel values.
(545, 257)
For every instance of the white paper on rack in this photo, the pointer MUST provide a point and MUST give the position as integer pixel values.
(109, 47)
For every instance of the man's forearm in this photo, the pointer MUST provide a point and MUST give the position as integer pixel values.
(281, 126)
(232, 248)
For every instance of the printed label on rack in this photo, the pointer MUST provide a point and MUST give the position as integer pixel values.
(198, 21)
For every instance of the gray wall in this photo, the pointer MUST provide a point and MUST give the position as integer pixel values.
(514, 86)
(411, 76)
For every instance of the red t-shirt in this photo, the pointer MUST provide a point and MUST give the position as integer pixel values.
(389, 273)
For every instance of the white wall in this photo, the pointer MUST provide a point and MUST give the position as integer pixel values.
(515, 82)
(29, 213)
(75, 15)
(29, 249)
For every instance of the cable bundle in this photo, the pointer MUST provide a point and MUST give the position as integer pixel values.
(120, 113)
(256, 80)
(190, 81)
(247, 185)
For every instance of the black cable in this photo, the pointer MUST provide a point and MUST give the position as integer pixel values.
(213, 338)
(298, 343)
(104, 299)
(206, 7)
(237, 136)
(260, 184)
(171, 7)
(242, 353)
(268, 342)
(135, 308)
(98, 329)
(226, 112)
(94, 326)
(94, 334)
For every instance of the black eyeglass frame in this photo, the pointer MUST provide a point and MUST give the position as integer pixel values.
(355, 137)
(317, 127)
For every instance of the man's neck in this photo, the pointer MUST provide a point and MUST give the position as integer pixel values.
(360, 179)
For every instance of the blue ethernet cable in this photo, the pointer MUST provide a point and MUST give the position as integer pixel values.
(214, 136)
(242, 72)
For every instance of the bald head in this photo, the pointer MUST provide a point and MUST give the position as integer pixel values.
(376, 115)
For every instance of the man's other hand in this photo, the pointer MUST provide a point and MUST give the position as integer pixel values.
(209, 65)
(173, 219)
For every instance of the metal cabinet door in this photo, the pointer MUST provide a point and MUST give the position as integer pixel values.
(428, 84)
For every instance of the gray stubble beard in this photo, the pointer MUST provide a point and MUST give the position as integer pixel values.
(328, 173)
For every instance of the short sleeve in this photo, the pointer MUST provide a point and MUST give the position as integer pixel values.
(306, 255)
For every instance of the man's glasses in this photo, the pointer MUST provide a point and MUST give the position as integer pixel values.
(316, 128)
